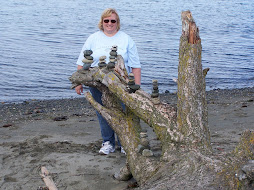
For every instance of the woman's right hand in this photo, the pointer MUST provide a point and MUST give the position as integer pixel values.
(79, 89)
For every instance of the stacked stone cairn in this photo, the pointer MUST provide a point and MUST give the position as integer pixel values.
(102, 62)
(132, 87)
(155, 93)
(144, 146)
(88, 59)
(112, 58)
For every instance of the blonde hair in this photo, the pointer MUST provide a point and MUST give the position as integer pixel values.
(107, 13)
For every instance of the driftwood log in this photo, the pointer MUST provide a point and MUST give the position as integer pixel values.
(47, 179)
(186, 160)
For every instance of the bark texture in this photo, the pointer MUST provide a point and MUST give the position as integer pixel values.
(192, 116)
(186, 160)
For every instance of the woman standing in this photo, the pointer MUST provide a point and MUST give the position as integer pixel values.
(101, 43)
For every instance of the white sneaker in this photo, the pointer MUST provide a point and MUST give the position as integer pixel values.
(123, 151)
(106, 148)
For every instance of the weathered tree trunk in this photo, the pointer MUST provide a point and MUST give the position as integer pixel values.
(192, 117)
(186, 160)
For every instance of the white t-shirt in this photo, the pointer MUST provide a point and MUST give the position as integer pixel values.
(101, 45)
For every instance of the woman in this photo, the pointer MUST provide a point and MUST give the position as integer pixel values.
(101, 43)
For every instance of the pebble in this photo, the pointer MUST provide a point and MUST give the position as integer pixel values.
(131, 76)
(7, 125)
(111, 65)
(88, 52)
(61, 118)
(89, 57)
(102, 64)
(143, 135)
(102, 58)
(140, 148)
(112, 60)
(113, 53)
(154, 95)
(114, 48)
(145, 142)
(147, 153)
(86, 66)
(131, 82)
(134, 87)
(248, 169)
(87, 61)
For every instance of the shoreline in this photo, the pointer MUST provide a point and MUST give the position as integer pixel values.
(64, 136)
(166, 92)
(42, 109)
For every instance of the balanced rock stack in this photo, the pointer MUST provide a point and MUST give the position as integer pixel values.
(144, 146)
(112, 57)
(102, 62)
(88, 59)
(155, 93)
(132, 87)
(144, 140)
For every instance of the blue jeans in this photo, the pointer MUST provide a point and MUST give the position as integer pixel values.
(107, 132)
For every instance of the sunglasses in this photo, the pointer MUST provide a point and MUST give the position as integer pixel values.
(107, 21)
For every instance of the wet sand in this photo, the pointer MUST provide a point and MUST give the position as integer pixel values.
(64, 136)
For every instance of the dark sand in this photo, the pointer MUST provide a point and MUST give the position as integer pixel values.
(64, 136)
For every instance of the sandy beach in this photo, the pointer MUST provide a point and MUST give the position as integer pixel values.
(64, 136)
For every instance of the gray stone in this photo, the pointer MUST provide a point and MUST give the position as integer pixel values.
(147, 153)
(144, 131)
(155, 81)
(86, 66)
(114, 48)
(112, 60)
(156, 100)
(87, 61)
(102, 58)
(113, 53)
(111, 65)
(134, 87)
(88, 57)
(145, 142)
(88, 52)
(155, 87)
(143, 135)
(140, 148)
(131, 76)
(102, 64)
(123, 175)
(248, 169)
(155, 95)
(131, 82)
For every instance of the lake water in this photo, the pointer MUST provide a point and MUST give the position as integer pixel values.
(40, 42)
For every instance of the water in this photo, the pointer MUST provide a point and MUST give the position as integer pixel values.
(40, 42)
